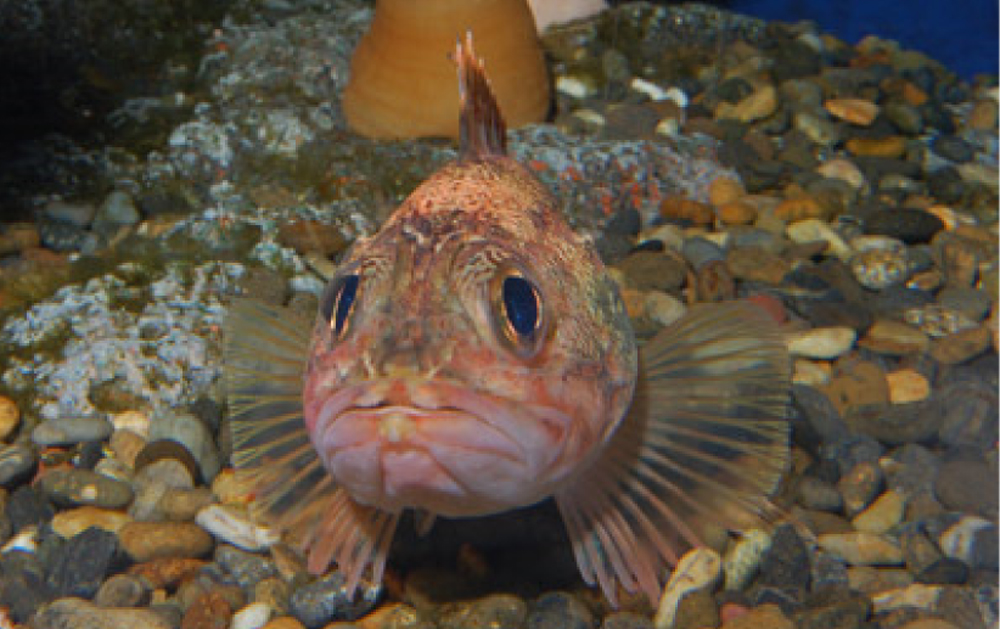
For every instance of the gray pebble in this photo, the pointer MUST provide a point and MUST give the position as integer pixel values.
(828, 571)
(75, 613)
(64, 238)
(953, 148)
(967, 485)
(79, 568)
(499, 611)
(122, 590)
(559, 610)
(326, 599)
(16, 462)
(919, 552)
(916, 470)
(906, 117)
(814, 493)
(117, 210)
(65, 431)
(246, 568)
(786, 563)
(82, 487)
(944, 571)
(700, 251)
(859, 486)
(75, 214)
(972, 540)
(971, 302)
(27, 506)
(191, 432)
(822, 419)
(626, 620)
(967, 414)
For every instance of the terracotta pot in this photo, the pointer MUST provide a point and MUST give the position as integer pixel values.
(403, 82)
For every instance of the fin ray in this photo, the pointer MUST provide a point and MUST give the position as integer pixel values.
(265, 351)
(482, 131)
(704, 442)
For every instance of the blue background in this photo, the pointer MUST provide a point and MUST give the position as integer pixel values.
(961, 34)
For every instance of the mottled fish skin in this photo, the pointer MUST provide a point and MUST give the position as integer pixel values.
(474, 356)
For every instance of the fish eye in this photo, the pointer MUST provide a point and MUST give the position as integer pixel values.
(518, 312)
(520, 304)
(339, 302)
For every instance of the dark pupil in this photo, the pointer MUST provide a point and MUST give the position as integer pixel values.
(520, 304)
(344, 299)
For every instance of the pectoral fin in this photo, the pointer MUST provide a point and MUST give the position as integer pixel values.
(704, 442)
(265, 351)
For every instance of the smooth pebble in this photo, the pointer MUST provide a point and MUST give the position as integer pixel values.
(700, 568)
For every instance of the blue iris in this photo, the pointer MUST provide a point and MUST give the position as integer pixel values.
(520, 304)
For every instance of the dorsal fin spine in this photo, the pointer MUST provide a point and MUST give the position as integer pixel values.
(482, 131)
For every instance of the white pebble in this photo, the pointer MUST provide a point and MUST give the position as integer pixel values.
(663, 308)
(25, 541)
(744, 557)
(958, 541)
(136, 421)
(825, 343)
(678, 96)
(668, 126)
(654, 91)
(589, 116)
(253, 616)
(572, 86)
(811, 373)
(236, 528)
(917, 595)
(699, 569)
(815, 230)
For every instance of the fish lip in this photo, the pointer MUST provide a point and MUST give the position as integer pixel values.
(534, 423)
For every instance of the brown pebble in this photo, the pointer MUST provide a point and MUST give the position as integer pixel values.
(635, 302)
(10, 417)
(983, 116)
(127, 444)
(894, 338)
(19, 237)
(209, 611)
(854, 110)
(907, 385)
(914, 95)
(687, 209)
(756, 265)
(961, 346)
(309, 236)
(799, 208)
(736, 213)
(285, 622)
(758, 105)
(861, 384)
(893, 146)
(73, 521)
(724, 190)
(151, 540)
(766, 616)
(167, 572)
(183, 504)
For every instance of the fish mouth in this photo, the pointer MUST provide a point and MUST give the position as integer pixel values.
(437, 445)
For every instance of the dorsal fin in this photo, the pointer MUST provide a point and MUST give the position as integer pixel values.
(482, 131)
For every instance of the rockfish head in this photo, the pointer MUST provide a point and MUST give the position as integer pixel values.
(470, 356)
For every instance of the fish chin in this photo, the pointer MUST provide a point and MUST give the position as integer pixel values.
(441, 447)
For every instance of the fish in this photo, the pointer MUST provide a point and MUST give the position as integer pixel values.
(474, 356)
